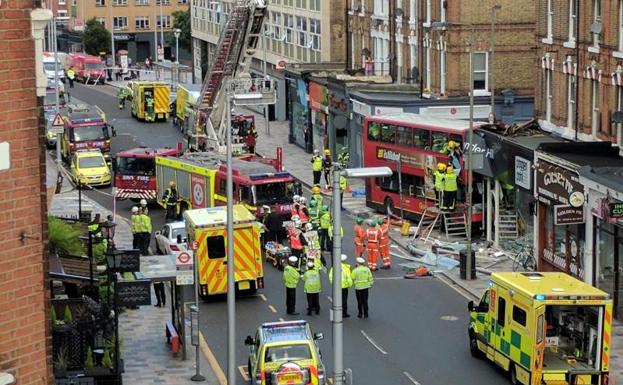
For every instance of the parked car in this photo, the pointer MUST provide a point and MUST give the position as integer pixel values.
(171, 238)
(89, 167)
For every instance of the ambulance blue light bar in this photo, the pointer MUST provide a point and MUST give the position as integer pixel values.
(573, 297)
(269, 175)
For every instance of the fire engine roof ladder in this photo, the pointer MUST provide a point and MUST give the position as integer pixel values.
(236, 47)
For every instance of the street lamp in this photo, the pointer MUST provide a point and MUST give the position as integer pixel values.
(336, 309)
(176, 33)
(494, 11)
(442, 25)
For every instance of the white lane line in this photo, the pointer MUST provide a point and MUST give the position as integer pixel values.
(263, 297)
(370, 340)
(272, 308)
(410, 377)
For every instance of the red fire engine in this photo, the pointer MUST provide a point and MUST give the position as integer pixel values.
(135, 172)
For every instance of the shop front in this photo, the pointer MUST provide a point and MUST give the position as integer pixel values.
(319, 110)
(300, 133)
(338, 116)
(559, 224)
(605, 224)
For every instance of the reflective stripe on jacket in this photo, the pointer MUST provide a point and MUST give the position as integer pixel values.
(360, 234)
(325, 220)
(347, 280)
(291, 277)
(439, 180)
(312, 281)
(316, 163)
(373, 235)
(362, 277)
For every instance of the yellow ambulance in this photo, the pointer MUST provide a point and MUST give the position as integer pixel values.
(543, 328)
(158, 91)
(207, 229)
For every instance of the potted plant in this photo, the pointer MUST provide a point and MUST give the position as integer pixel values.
(90, 370)
(60, 362)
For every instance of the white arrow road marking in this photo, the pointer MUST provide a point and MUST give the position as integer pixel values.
(371, 341)
(272, 308)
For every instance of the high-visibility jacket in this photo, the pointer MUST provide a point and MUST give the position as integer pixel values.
(170, 196)
(318, 198)
(295, 240)
(362, 277)
(149, 102)
(316, 162)
(384, 233)
(360, 234)
(347, 279)
(71, 74)
(439, 180)
(314, 215)
(331, 231)
(373, 235)
(311, 280)
(135, 224)
(295, 210)
(450, 182)
(145, 223)
(312, 239)
(291, 277)
(325, 220)
(343, 183)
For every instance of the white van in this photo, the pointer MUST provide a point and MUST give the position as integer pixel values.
(49, 67)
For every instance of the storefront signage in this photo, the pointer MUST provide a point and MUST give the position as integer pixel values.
(568, 215)
(616, 210)
(413, 160)
(361, 108)
(559, 185)
(388, 110)
(318, 99)
(522, 172)
(337, 103)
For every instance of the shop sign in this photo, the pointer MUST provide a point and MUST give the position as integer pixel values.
(407, 159)
(568, 215)
(361, 108)
(559, 185)
(522, 172)
(388, 110)
(615, 209)
(318, 97)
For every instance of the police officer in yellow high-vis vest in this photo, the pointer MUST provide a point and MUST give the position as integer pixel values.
(312, 287)
(291, 278)
(347, 283)
(316, 162)
(362, 281)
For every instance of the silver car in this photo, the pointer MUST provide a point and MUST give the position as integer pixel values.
(171, 238)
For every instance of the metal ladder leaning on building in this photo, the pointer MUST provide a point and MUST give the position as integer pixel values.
(236, 47)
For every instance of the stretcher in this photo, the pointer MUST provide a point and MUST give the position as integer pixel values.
(277, 254)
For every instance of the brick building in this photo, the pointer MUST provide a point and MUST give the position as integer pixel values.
(580, 62)
(24, 300)
(398, 38)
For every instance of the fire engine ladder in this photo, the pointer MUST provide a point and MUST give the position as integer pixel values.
(235, 49)
(429, 221)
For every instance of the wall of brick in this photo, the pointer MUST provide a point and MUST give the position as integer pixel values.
(24, 334)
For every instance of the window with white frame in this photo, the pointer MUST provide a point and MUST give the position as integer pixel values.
(573, 15)
(301, 31)
(120, 22)
(182, 1)
(164, 2)
(164, 21)
(61, 2)
(119, 2)
(412, 60)
(570, 100)
(413, 10)
(550, 19)
(314, 33)
(429, 11)
(442, 7)
(276, 21)
(100, 3)
(480, 67)
(289, 28)
(61, 14)
(619, 126)
(596, 22)
(141, 22)
(314, 5)
(549, 93)
(141, 2)
(620, 26)
(595, 108)
(381, 7)
(101, 20)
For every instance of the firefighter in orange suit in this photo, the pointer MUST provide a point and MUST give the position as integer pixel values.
(383, 227)
(360, 237)
(372, 238)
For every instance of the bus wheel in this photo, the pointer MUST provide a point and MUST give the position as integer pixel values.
(389, 206)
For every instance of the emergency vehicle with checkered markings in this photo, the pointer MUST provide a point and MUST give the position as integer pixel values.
(207, 229)
(135, 172)
(543, 328)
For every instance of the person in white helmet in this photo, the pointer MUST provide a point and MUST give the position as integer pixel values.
(143, 204)
(291, 277)
(347, 282)
(312, 287)
(362, 281)
(136, 228)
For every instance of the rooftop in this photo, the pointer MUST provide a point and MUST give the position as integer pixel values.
(421, 120)
(541, 283)
(595, 154)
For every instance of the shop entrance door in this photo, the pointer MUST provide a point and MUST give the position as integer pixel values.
(618, 279)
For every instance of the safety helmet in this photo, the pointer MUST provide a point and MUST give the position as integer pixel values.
(344, 149)
(310, 264)
(297, 224)
(360, 261)
(327, 152)
(449, 170)
(296, 198)
(316, 152)
(293, 260)
(312, 203)
(295, 218)
(143, 202)
(452, 145)
(343, 257)
(370, 222)
(316, 189)
(359, 220)
(441, 166)
(309, 227)
(302, 200)
(172, 183)
(325, 208)
(134, 209)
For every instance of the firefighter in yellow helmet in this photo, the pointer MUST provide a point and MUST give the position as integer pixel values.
(171, 197)
(450, 188)
(327, 166)
(439, 183)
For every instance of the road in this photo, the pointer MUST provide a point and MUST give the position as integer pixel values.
(416, 333)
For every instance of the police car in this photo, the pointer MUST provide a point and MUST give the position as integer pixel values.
(285, 353)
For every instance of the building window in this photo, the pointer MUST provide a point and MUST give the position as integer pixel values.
(164, 2)
(276, 25)
(595, 108)
(120, 22)
(570, 101)
(289, 26)
(61, 2)
(314, 5)
(381, 7)
(428, 63)
(442, 7)
(142, 2)
(550, 19)
(429, 12)
(301, 30)
(141, 22)
(549, 94)
(100, 3)
(619, 106)
(166, 19)
(596, 22)
(480, 71)
(620, 25)
(413, 10)
(572, 20)
(314, 33)
(101, 20)
(119, 2)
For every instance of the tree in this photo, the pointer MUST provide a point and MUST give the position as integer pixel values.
(95, 38)
(181, 20)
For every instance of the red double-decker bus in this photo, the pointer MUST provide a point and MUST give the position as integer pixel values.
(413, 144)
(135, 172)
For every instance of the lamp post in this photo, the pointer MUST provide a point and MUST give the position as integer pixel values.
(112, 35)
(494, 11)
(176, 33)
(336, 308)
(441, 25)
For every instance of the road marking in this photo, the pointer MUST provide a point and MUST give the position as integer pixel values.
(370, 340)
(272, 308)
(377, 278)
(220, 375)
(263, 297)
(455, 287)
(281, 319)
(449, 317)
(330, 381)
(410, 377)
(243, 372)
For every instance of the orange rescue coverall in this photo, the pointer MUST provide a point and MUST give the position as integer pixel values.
(384, 244)
(360, 235)
(373, 236)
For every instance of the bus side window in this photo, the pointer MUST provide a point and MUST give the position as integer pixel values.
(404, 136)
(374, 131)
(440, 140)
(388, 133)
(421, 139)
